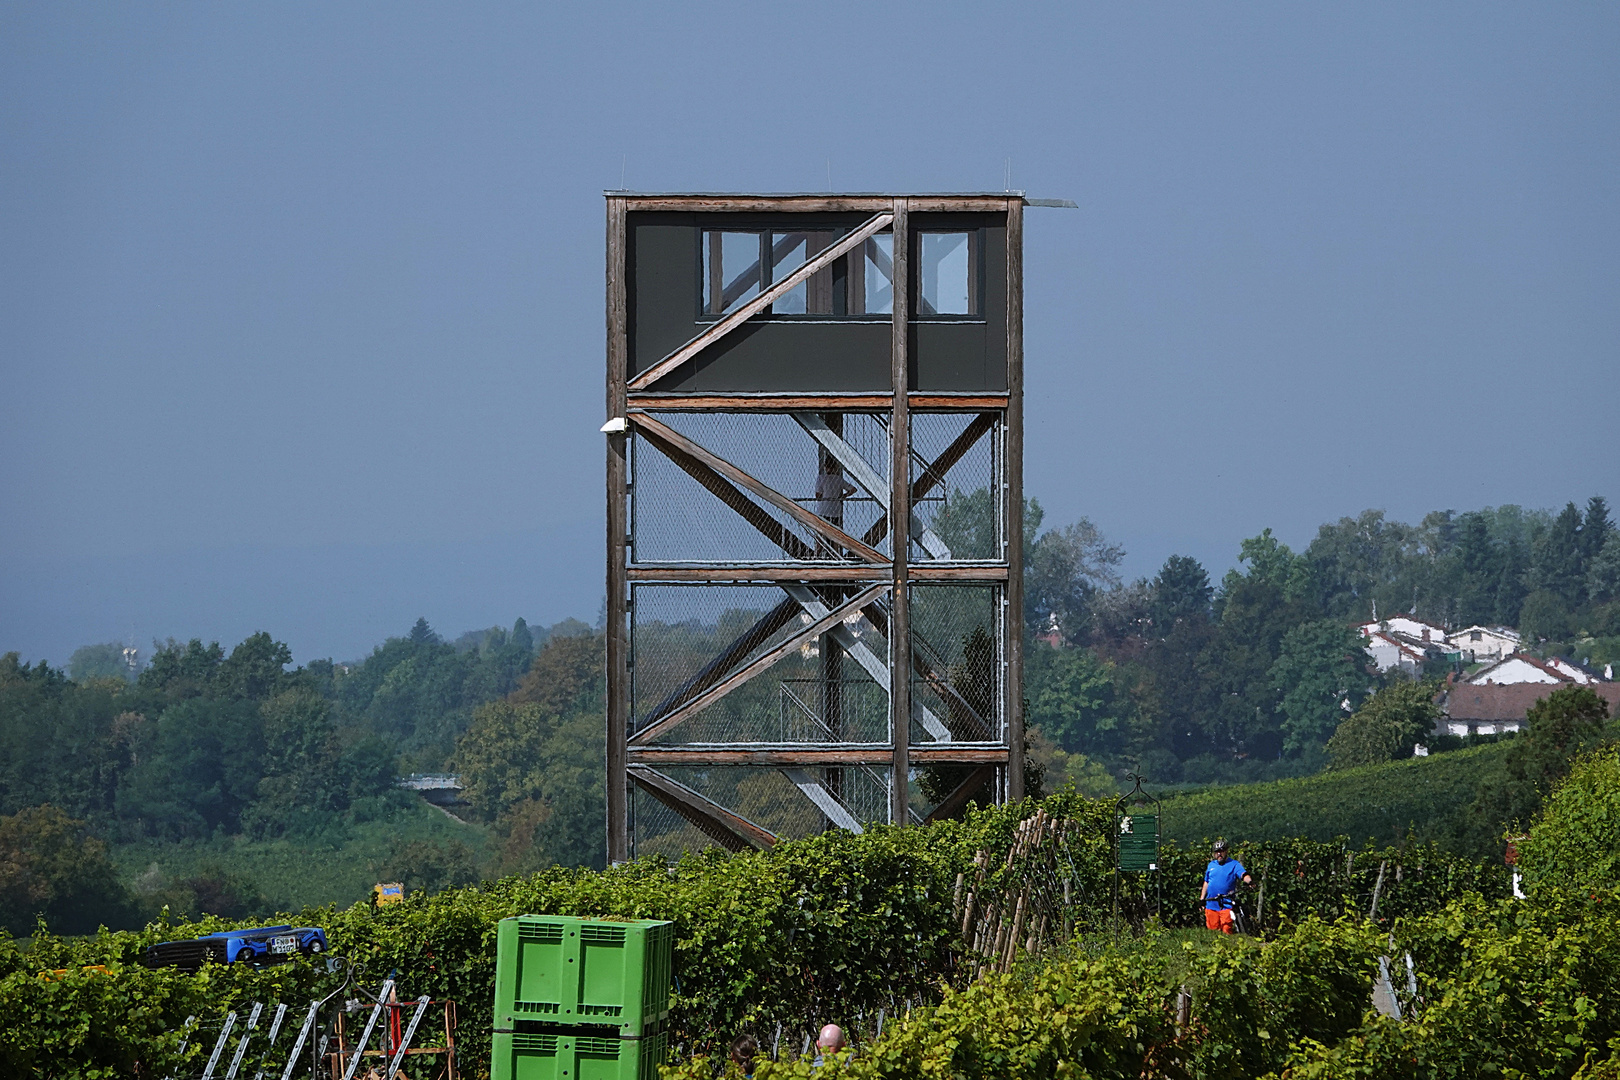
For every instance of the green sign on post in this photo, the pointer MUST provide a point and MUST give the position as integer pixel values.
(1139, 842)
(1136, 840)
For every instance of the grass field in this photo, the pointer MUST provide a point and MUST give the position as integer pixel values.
(1378, 802)
(339, 866)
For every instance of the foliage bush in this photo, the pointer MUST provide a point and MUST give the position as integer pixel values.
(1575, 845)
(838, 926)
(1383, 802)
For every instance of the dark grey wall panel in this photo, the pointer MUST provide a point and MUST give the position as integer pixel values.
(663, 286)
(804, 355)
(780, 357)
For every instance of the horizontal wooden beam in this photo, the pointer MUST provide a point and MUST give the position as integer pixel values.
(712, 333)
(730, 830)
(790, 755)
(814, 402)
(822, 572)
(816, 204)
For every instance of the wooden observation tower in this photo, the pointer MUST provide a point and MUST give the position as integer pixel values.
(793, 383)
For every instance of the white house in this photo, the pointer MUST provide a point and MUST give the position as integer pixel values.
(1388, 652)
(1484, 642)
(1574, 672)
(1407, 627)
(1518, 668)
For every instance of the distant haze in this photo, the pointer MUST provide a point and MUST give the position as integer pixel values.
(301, 305)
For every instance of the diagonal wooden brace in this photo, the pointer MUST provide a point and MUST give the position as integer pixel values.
(764, 661)
(711, 334)
(730, 830)
(866, 476)
(733, 654)
(665, 436)
(953, 803)
(935, 473)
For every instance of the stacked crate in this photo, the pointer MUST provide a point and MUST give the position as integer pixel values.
(580, 999)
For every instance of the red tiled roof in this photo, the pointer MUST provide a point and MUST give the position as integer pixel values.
(1511, 701)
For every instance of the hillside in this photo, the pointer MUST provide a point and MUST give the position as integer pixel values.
(1380, 802)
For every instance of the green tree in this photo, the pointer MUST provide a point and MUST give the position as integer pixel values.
(1362, 559)
(1320, 668)
(305, 782)
(201, 772)
(540, 779)
(58, 740)
(568, 675)
(1063, 569)
(1080, 701)
(501, 758)
(1181, 593)
(1477, 570)
(967, 524)
(1556, 563)
(1273, 562)
(105, 661)
(428, 865)
(1544, 616)
(1603, 574)
(255, 667)
(50, 867)
(1557, 728)
(1596, 528)
(1388, 725)
(1574, 844)
(182, 671)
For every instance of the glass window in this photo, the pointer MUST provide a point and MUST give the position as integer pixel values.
(861, 283)
(731, 270)
(947, 273)
(871, 277)
(789, 251)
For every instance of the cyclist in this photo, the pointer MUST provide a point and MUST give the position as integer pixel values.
(1221, 877)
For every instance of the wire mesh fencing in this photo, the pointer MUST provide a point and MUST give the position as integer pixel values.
(956, 467)
(826, 463)
(691, 642)
(956, 635)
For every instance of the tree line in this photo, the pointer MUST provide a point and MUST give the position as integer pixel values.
(1186, 679)
(1176, 677)
(201, 744)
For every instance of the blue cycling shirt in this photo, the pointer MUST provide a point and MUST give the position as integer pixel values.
(1222, 879)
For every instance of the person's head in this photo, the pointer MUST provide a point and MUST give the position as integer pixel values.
(1220, 851)
(744, 1050)
(831, 1039)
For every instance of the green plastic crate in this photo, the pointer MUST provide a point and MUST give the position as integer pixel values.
(569, 971)
(558, 1056)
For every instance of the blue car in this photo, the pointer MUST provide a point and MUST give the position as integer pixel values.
(259, 945)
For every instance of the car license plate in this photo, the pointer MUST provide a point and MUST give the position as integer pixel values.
(283, 944)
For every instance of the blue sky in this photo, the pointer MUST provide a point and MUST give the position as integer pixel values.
(301, 305)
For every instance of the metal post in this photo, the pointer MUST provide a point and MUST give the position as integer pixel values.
(832, 658)
(224, 1034)
(1013, 462)
(900, 521)
(618, 531)
(303, 1036)
(241, 1047)
(371, 1025)
(410, 1032)
(270, 1040)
